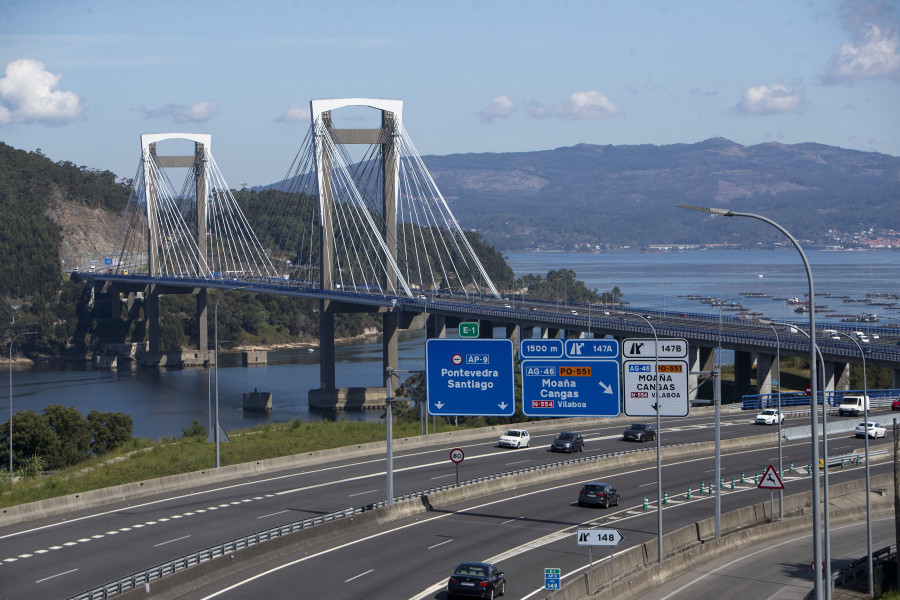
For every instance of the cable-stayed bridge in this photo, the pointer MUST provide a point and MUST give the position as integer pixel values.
(360, 225)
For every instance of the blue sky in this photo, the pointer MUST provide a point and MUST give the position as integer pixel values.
(82, 79)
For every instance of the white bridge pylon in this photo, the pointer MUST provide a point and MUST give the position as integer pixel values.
(197, 232)
(377, 224)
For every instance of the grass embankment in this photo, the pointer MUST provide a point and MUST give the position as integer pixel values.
(144, 460)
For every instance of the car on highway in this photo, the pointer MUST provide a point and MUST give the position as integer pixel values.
(598, 493)
(769, 416)
(895, 405)
(567, 441)
(873, 429)
(639, 432)
(476, 580)
(515, 438)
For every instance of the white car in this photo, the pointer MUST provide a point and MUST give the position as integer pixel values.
(874, 430)
(515, 438)
(769, 416)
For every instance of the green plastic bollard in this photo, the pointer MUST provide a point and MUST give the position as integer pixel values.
(857, 459)
(756, 479)
(742, 477)
(701, 487)
(665, 498)
(722, 483)
(645, 502)
(689, 493)
(791, 470)
(732, 483)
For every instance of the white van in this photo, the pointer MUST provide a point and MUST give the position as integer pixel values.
(861, 337)
(853, 406)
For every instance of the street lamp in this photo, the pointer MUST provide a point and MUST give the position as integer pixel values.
(216, 327)
(813, 413)
(11, 342)
(659, 526)
(836, 335)
(780, 416)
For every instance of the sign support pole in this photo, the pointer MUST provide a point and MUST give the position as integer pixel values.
(591, 571)
(612, 566)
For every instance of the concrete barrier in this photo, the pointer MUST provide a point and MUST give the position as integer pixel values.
(741, 528)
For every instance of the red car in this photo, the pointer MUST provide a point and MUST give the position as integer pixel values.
(895, 405)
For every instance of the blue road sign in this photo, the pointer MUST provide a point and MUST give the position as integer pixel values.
(470, 377)
(552, 579)
(582, 382)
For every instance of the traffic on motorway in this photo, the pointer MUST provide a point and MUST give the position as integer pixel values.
(47, 558)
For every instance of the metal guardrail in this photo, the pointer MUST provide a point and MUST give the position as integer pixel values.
(140, 578)
(877, 399)
(857, 567)
(841, 459)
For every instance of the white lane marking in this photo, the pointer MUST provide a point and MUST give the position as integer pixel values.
(518, 462)
(442, 476)
(280, 512)
(439, 544)
(25, 555)
(647, 484)
(184, 537)
(511, 520)
(57, 575)
(362, 493)
(358, 576)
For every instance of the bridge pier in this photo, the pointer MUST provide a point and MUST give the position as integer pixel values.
(841, 376)
(436, 327)
(828, 376)
(701, 358)
(743, 368)
(764, 373)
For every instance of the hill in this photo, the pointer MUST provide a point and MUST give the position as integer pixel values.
(627, 195)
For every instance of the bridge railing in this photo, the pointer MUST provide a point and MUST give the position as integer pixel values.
(878, 399)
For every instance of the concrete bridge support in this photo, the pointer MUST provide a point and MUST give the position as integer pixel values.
(436, 327)
(896, 379)
(828, 377)
(743, 369)
(700, 358)
(841, 376)
(513, 333)
(486, 329)
(764, 365)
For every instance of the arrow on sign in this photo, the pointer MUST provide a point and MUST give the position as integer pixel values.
(607, 389)
(502, 405)
(439, 404)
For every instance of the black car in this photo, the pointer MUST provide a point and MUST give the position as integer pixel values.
(639, 432)
(598, 494)
(476, 580)
(567, 441)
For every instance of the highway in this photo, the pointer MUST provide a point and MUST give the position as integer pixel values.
(56, 558)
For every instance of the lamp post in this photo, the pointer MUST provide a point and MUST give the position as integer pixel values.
(659, 526)
(11, 342)
(871, 581)
(216, 322)
(780, 416)
(813, 413)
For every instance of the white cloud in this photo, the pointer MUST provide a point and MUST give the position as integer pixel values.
(771, 100)
(180, 113)
(29, 94)
(874, 50)
(588, 105)
(295, 113)
(499, 108)
(536, 110)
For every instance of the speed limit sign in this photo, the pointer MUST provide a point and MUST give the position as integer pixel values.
(457, 455)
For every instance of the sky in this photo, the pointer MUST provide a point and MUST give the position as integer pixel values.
(81, 80)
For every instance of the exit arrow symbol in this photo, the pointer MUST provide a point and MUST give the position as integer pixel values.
(503, 405)
(607, 389)
(439, 405)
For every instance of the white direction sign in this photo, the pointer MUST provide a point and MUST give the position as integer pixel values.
(644, 389)
(599, 537)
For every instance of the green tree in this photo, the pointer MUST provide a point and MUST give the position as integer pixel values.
(73, 436)
(109, 430)
(32, 436)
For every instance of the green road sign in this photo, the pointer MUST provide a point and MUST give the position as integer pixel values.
(468, 330)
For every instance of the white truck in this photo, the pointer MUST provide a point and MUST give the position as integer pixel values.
(853, 406)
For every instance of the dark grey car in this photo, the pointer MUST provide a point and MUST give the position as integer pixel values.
(476, 580)
(598, 494)
(639, 432)
(567, 441)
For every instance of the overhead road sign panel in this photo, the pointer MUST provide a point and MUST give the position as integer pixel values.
(471, 377)
(570, 378)
(646, 348)
(468, 330)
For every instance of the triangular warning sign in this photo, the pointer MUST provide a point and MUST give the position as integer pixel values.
(770, 480)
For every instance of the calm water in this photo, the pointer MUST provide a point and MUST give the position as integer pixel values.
(163, 403)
